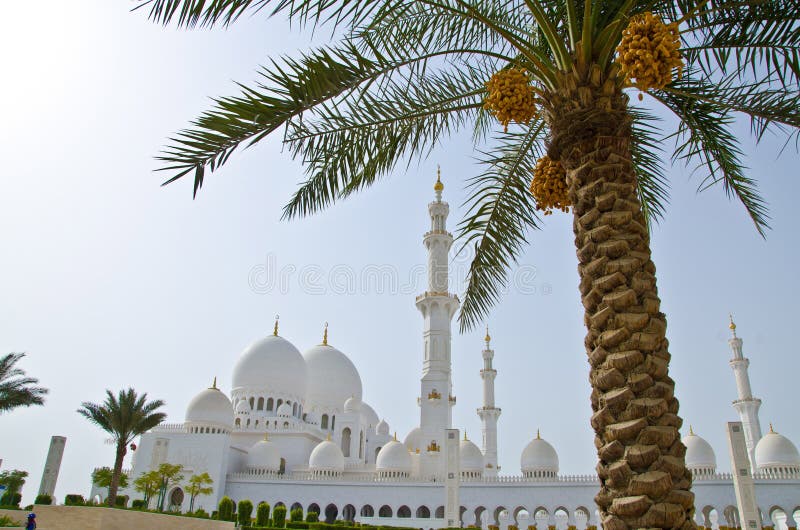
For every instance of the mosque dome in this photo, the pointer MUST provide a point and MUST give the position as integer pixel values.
(539, 459)
(382, 429)
(700, 457)
(284, 410)
(393, 457)
(274, 363)
(210, 407)
(352, 404)
(264, 456)
(326, 456)
(242, 407)
(332, 378)
(775, 451)
(414, 440)
(471, 457)
(369, 416)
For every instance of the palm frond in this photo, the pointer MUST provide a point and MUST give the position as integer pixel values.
(501, 210)
(646, 151)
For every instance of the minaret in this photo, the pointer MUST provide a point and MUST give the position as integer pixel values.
(747, 406)
(488, 413)
(52, 466)
(438, 307)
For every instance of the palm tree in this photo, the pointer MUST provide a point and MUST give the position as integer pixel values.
(16, 390)
(405, 76)
(124, 416)
(199, 485)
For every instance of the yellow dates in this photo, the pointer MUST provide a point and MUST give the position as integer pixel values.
(510, 97)
(549, 186)
(649, 52)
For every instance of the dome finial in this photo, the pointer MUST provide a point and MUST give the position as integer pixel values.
(325, 335)
(771, 430)
(691, 432)
(537, 435)
(732, 325)
(214, 384)
(395, 436)
(488, 337)
(329, 437)
(438, 187)
(275, 329)
(465, 435)
(266, 437)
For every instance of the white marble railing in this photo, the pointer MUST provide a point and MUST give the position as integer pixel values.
(170, 427)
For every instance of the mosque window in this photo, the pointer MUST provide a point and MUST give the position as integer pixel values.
(251, 401)
(324, 422)
(261, 403)
(333, 422)
(346, 442)
(361, 445)
(294, 409)
(278, 404)
(286, 425)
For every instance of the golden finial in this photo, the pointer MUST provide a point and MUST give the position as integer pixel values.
(266, 437)
(214, 384)
(732, 325)
(691, 432)
(465, 435)
(395, 436)
(537, 435)
(488, 337)
(438, 186)
(329, 437)
(771, 430)
(275, 329)
(325, 335)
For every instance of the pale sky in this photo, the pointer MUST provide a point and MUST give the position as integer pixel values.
(109, 280)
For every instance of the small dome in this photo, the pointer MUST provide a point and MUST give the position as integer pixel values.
(699, 454)
(471, 457)
(272, 363)
(264, 456)
(382, 429)
(284, 410)
(369, 417)
(776, 451)
(539, 456)
(210, 407)
(243, 407)
(393, 457)
(352, 404)
(413, 440)
(326, 456)
(312, 417)
(332, 378)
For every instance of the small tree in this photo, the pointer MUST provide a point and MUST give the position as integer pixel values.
(225, 509)
(43, 499)
(262, 514)
(13, 480)
(199, 485)
(296, 515)
(312, 517)
(279, 517)
(102, 476)
(168, 475)
(147, 484)
(245, 511)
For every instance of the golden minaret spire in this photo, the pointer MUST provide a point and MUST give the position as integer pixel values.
(325, 335)
(732, 325)
(275, 329)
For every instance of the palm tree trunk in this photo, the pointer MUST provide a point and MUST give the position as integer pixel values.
(644, 480)
(122, 449)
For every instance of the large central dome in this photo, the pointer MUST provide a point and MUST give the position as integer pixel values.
(273, 363)
(332, 378)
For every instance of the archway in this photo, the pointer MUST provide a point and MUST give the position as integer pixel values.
(731, 514)
(349, 513)
(479, 511)
(385, 511)
(498, 512)
(367, 511)
(176, 499)
(313, 507)
(581, 518)
(439, 514)
(561, 516)
(346, 434)
(542, 517)
(295, 506)
(331, 511)
(404, 512)
(423, 512)
(521, 517)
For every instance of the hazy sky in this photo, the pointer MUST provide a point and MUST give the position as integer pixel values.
(109, 280)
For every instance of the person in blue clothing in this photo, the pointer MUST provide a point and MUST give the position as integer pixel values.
(31, 522)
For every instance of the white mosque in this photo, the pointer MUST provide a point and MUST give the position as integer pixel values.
(296, 431)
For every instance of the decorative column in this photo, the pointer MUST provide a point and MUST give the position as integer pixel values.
(488, 413)
(747, 406)
(438, 307)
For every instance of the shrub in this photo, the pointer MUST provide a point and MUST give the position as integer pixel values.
(226, 508)
(297, 524)
(279, 517)
(6, 521)
(512, 527)
(43, 499)
(245, 511)
(11, 499)
(296, 515)
(312, 517)
(74, 499)
(262, 514)
(138, 504)
(121, 501)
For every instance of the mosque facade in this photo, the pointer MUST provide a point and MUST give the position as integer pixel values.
(303, 436)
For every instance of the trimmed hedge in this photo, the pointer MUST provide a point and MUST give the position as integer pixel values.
(10, 499)
(245, 510)
(312, 517)
(138, 504)
(262, 514)
(279, 517)
(43, 499)
(226, 508)
(297, 524)
(74, 499)
(121, 501)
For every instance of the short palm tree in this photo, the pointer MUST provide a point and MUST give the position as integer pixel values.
(124, 416)
(17, 390)
(404, 76)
